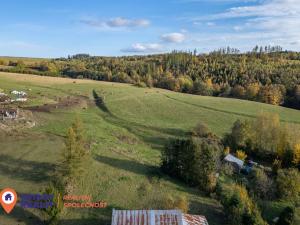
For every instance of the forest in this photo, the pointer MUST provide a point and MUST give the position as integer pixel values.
(266, 74)
(198, 161)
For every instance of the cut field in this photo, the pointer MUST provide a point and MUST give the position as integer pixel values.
(126, 127)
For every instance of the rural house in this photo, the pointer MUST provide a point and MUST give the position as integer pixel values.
(155, 217)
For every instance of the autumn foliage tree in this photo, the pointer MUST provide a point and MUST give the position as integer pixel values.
(296, 155)
(288, 184)
(239, 207)
(272, 94)
(75, 152)
(264, 136)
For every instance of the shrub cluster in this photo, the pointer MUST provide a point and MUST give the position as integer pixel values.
(194, 160)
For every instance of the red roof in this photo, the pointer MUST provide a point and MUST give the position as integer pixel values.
(155, 217)
(194, 219)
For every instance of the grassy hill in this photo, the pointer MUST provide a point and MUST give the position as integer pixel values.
(126, 134)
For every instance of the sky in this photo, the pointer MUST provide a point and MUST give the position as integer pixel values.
(58, 28)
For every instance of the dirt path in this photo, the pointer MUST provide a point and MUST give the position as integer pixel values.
(63, 103)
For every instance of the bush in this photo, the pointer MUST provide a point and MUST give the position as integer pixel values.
(240, 136)
(238, 91)
(201, 88)
(252, 91)
(227, 169)
(296, 155)
(181, 203)
(54, 211)
(201, 130)
(140, 84)
(287, 217)
(276, 166)
(239, 207)
(261, 184)
(194, 160)
(288, 184)
(121, 77)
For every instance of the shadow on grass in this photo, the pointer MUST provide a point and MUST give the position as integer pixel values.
(84, 222)
(128, 165)
(213, 212)
(25, 169)
(100, 103)
(142, 131)
(25, 216)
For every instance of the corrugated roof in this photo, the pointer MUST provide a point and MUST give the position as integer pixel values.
(194, 220)
(231, 158)
(155, 217)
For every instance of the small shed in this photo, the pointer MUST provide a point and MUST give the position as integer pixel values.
(234, 161)
(155, 217)
(8, 113)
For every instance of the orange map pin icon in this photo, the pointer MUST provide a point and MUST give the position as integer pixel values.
(8, 199)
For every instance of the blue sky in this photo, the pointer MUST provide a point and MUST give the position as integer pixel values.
(51, 28)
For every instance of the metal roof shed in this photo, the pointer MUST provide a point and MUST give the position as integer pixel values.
(232, 159)
(155, 217)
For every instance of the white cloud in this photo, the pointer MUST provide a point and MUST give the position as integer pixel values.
(173, 37)
(197, 23)
(183, 31)
(268, 8)
(141, 22)
(278, 19)
(143, 48)
(116, 22)
(218, 1)
(210, 24)
(238, 28)
(122, 22)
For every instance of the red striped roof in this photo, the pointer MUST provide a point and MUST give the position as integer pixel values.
(155, 217)
(194, 219)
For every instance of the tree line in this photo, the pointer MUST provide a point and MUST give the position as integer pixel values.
(266, 74)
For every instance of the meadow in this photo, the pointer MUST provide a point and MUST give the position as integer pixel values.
(126, 134)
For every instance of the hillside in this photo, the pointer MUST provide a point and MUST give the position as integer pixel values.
(126, 133)
(267, 74)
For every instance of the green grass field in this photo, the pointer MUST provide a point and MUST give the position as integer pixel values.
(126, 135)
